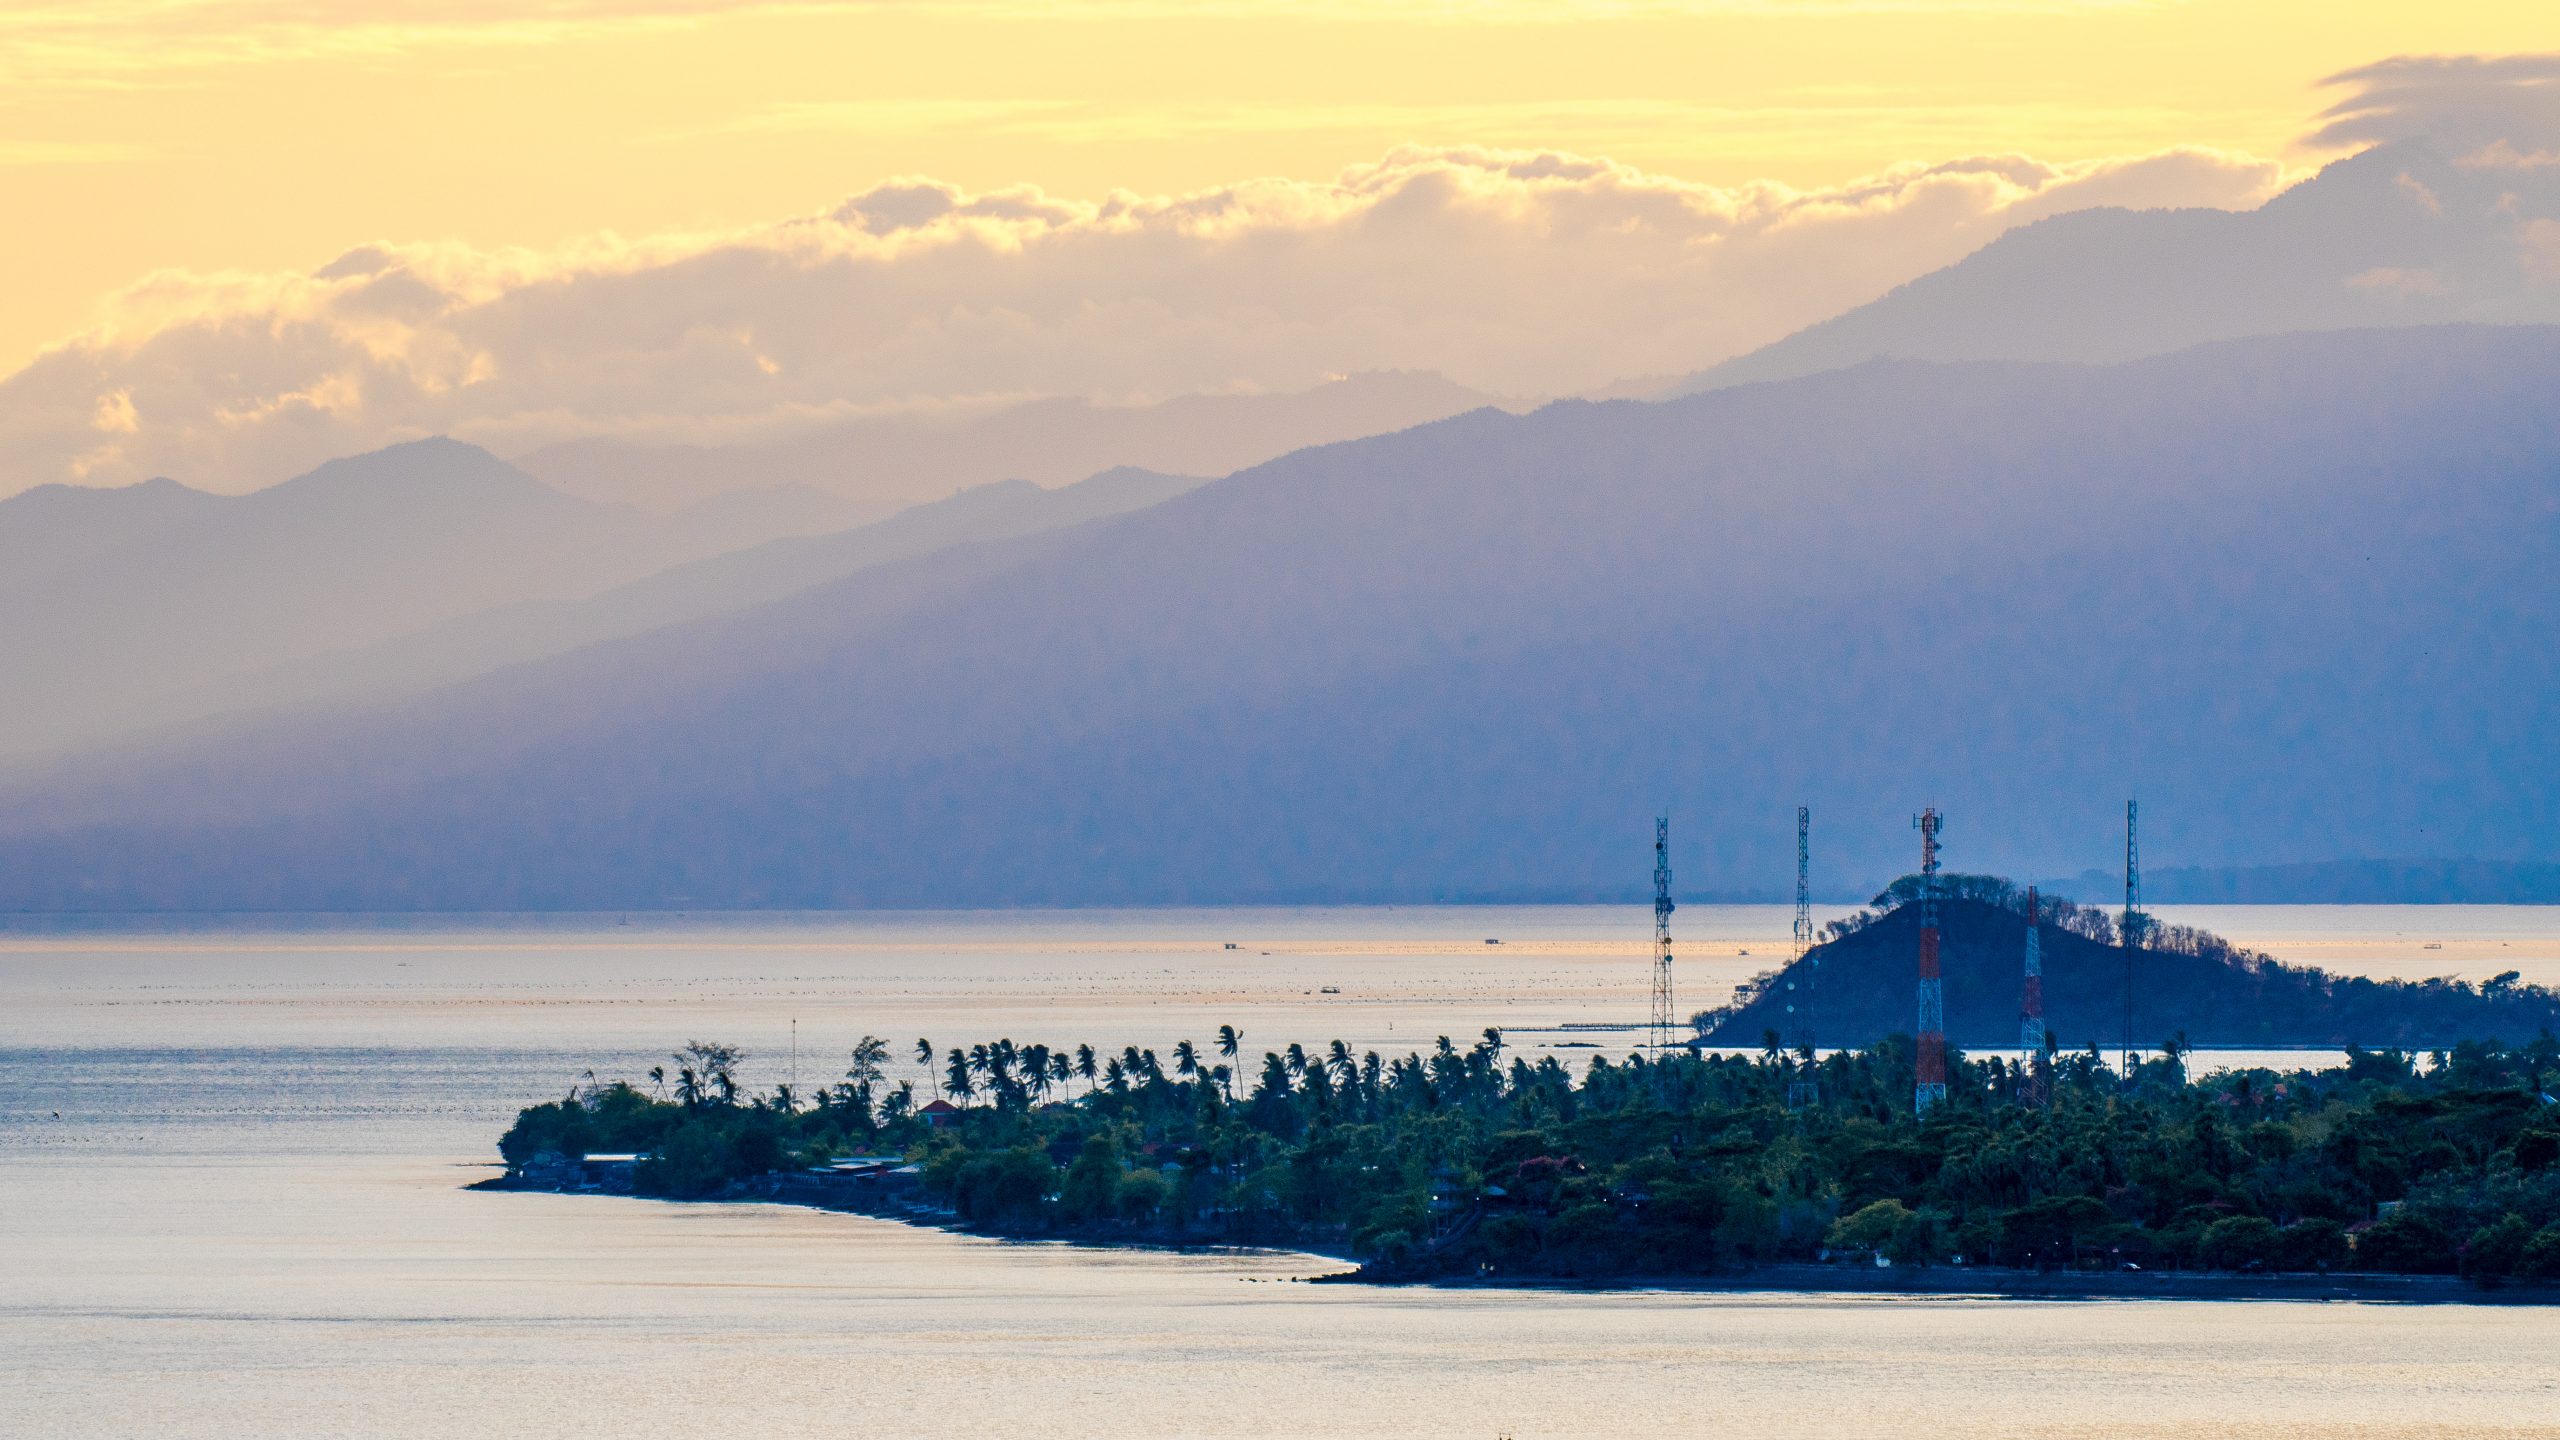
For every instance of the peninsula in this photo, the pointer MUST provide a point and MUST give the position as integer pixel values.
(1472, 1164)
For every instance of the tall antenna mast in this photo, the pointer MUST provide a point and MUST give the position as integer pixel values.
(2132, 927)
(2031, 1001)
(1931, 1066)
(1803, 1090)
(1662, 1009)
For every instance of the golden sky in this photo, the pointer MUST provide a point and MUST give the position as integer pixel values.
(272, 134)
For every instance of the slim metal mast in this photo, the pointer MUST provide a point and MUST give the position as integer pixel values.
(2134, 923)
(1803, 1090)
(1663, 1021)
(2031, 1002)
(2031, 993)
(1931, 1086)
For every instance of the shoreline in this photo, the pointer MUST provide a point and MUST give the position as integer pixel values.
(1975, 1282)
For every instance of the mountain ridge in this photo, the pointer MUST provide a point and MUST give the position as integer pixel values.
(1470, 657)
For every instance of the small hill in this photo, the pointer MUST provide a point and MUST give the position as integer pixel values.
(2186, 982)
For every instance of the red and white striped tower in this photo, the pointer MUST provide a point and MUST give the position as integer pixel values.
(1932, 1086)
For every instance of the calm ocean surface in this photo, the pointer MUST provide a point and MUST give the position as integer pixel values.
(231, 1156)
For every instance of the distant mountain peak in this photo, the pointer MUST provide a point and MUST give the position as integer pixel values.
(2392, 236)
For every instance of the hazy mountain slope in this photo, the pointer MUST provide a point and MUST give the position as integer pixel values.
(2296, 592)
(140, 606)
(487, 640)
(889, 462)
(2394, 236)
(54, 530)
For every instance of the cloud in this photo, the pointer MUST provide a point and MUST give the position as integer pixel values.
(2493, 109)
(1519, 272)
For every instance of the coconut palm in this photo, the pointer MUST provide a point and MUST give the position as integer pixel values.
(1230, 1040)
(1186, 1059)
(924, 1057)
(1061, 1068)
(956, 1079)
(1084, 1064)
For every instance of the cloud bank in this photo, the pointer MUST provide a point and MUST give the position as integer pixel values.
(1518, 273)
(2497, 107)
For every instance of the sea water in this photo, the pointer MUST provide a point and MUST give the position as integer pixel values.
(232, 1155)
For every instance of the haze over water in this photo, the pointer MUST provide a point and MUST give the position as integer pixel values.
(248, 1216)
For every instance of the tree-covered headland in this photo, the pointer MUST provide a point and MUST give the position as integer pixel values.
(1474, 1161)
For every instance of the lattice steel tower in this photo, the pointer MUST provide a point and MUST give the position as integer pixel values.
(1803, 1089)
(1664, 1021)
(2031, 991)
(2031, 1031)
(2134, 924)
(1930, 1085)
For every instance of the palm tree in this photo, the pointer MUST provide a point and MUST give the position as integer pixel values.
(924, 1057)
(1340, 1061)
(1084, 1064)
(1230, 1039)
(1115, 1077)
(657, 1080)
(956, 1079)
(1297, 1059)
(1186, 1059)
(715, 1066)
(1061, 1068)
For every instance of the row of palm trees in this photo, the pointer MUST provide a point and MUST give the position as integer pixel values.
(1011, 1075)
(1008, 1074)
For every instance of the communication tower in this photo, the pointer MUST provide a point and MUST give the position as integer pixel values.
(1931, 1082)
(1664, 1021)
(2031, 1030)
(1803, 1090)
(2134, 924)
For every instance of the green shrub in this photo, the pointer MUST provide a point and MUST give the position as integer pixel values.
(2316, 1244)
(1870, 1230)
(2496, 1251)
(2240, 1242)
(2541, 1258)
(1142, 1194)
(2407, 1242)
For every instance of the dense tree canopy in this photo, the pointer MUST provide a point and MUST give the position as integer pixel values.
(1473, 1160)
